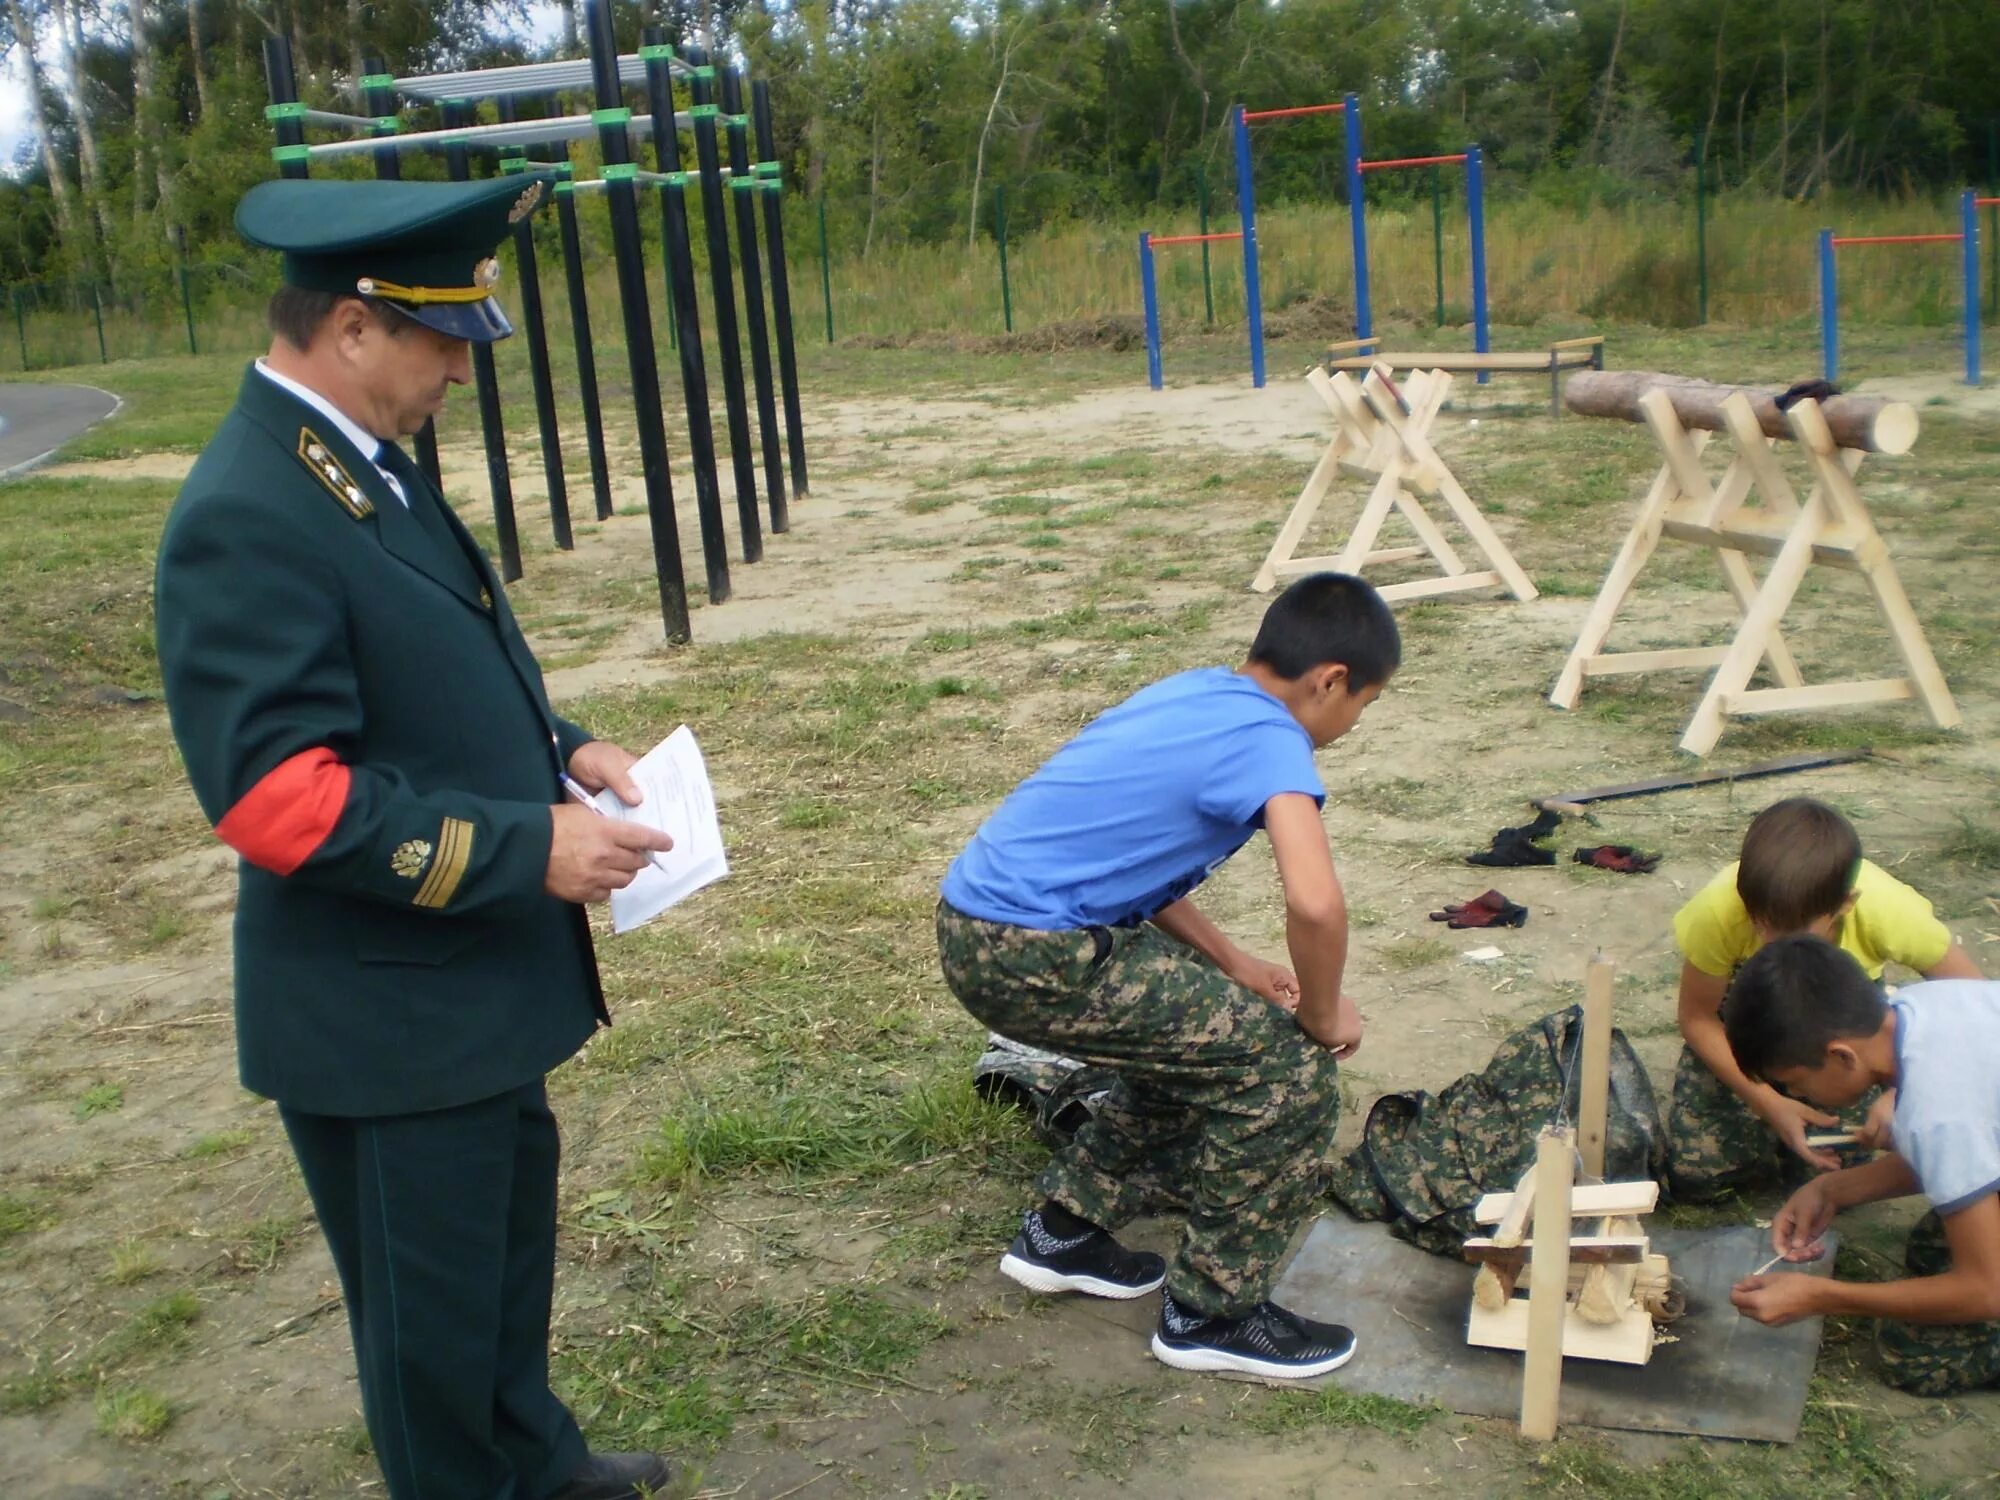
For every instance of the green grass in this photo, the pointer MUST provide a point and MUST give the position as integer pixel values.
(133, 1415)
(100, 1099)
(1294, 1412)
(20, 1215)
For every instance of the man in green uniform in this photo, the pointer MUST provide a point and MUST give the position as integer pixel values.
(365, 725)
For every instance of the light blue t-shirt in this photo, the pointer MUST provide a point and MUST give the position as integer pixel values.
(1948, 1088)
(1135, 812)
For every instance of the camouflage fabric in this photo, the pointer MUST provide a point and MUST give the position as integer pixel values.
(1936, 1359)
(1716, 1146)
(1221, 1100)
(1425, 1159)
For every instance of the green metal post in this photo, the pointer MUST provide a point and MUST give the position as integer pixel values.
(1207, 288)
(187, 300)
(825, 276)
(1437, 242)
(1992, 246)
(1701, 221)
(97, 306)
(1000, 224)
(21, 327)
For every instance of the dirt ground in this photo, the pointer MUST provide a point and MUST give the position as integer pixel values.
(1051, 550)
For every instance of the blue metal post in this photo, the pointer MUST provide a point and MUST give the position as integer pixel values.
(1475, 210)
(1246, 211)
(1968, 223)
(1829, 309)
(1357, 214)
(1153, 373)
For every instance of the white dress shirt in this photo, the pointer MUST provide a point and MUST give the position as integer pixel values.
(369, 445)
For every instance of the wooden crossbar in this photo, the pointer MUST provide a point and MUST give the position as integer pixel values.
(1753, 510)
(1563, 355)
(1381, 437)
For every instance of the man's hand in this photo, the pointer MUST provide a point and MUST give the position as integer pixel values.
(1800, 1227)
(1260, 976)
(599, 764)
(1878, 1133)
(1343, 1037)
(1791, 1121)
(590, 855)
(1777, 1300)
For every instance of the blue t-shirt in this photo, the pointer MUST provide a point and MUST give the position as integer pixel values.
(1948, 1088)
(1135, 812)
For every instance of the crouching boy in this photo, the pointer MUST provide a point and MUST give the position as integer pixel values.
(1803, 1016)
(1067, 923)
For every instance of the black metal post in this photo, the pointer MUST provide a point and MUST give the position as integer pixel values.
(722, 282)
(21, 327)
(181, 270)
(290, 154)
(616, 147)
(586, 355)
(686, 313)
(529, 266)
(492, 425)
(770, 174)
(378, 97)
(742, 188)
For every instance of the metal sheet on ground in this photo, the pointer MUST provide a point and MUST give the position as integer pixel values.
(1723, 1376)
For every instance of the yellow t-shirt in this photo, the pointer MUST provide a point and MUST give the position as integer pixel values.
(1888, 921)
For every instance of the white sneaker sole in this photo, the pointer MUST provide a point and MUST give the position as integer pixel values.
(1041, 1279)
(1245, 1364)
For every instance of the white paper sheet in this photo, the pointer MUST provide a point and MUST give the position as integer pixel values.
(679, 801)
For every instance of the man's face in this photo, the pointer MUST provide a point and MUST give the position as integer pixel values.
(1839, 1081)
(404, 371)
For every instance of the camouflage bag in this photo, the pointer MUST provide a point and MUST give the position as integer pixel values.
(1425, 1159)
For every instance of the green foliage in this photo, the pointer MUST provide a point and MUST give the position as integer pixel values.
(133, 1415)
(100, 1099)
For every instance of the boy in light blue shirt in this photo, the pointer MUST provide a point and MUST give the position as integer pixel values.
(1068, 924)
(1803, 1016)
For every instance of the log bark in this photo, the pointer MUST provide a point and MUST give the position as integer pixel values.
(1866, 422)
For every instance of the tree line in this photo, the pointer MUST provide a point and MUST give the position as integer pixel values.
(148, 118)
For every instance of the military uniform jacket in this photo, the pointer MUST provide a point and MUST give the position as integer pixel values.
(365, 725)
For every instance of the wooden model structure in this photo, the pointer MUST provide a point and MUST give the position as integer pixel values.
(1594, 1295)
(1831, 526)
(1560, 357)
(1382, 435)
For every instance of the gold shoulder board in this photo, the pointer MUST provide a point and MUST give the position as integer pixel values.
(323, 466)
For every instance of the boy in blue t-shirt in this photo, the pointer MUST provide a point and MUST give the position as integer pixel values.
(1067, 924)
(1801, 1014)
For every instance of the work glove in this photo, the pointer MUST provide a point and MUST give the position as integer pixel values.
(1489, 910)
(1516, 846)
(1620, 857)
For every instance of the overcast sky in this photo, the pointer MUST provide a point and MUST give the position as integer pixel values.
(544, 23)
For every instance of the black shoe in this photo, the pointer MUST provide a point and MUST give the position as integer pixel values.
(1091, 1262)
(619, 1476)
(1266, 1341)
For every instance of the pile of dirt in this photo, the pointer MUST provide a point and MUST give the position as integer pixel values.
(1313, 316)
(1115, 332)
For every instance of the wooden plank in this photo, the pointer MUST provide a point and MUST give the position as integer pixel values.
(1548, 1298)
(1614, 663)
(1833, 549)
(1385, 555)
(1820, 695)
(1626, 1199)
(1588, 341)
(1595, 1080)
(1499, 362)
(1513, 1227)
(1428, 588)
(1584, 1250)
(1628, 1342)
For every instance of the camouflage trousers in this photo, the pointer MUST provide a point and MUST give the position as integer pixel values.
(1716, 1146)
(1936, 1359)
(1221, 1101)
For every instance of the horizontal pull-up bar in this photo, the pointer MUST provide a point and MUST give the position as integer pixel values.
(1193, 239)
(522, 78)
(1896, 239)
(1986, 202)
(1411, 161)
(511, 133)
(1252, 116)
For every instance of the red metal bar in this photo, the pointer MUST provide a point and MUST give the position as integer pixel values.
(1410, 161)
(1897, 239)
(1986, 202)
(1252, 116)
(1193, 239)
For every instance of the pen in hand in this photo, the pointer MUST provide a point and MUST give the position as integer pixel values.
(575, 789)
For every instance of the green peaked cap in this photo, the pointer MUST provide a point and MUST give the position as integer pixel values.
(426, 247)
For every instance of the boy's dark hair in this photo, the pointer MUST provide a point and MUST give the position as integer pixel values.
(1798, 864)
(295, 313)
(1326, 618)
(1793, 997)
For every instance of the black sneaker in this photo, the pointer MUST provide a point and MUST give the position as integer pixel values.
(1091, 1262)
(1267, 1341)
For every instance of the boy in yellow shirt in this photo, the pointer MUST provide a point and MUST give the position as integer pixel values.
(1800, 871)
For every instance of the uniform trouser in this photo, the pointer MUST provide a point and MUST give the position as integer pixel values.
(443, 1230)
(1221, 1100)
(1716, 1146)
(1936, 1359)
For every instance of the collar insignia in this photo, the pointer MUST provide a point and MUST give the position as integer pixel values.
(323, 466)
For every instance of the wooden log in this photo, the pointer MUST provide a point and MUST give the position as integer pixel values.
(1541, 1374)
(1593, 1105)
(1513, 1228)
(1866, 422)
